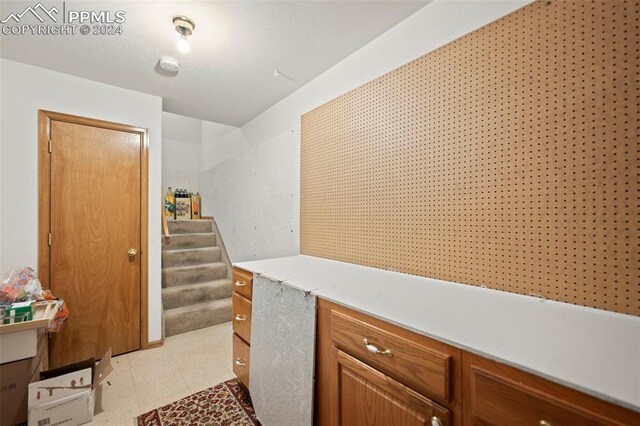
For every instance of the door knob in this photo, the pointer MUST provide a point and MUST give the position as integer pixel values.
(132, 252)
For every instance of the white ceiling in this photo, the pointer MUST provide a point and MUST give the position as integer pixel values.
(228, 75)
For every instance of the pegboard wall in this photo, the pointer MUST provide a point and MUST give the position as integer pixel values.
(508, 158)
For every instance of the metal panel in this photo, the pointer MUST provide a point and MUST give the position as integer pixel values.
(282, 356)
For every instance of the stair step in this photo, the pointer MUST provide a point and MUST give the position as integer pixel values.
(185, 295)
(187, 257)
(183, 275)
(189, 226)
(195, 240)
(193, 317)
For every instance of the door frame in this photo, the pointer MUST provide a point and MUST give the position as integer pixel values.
(44, 203)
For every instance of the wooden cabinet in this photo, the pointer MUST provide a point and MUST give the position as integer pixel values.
(373, 373)
(413, 362)
(241, 320)
(496, 394)
(368, 397)
(369, 372)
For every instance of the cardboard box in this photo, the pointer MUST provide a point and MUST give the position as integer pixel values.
(62, 400)
(67, 399)
(20, 312)
(183, 208)
(14, 384)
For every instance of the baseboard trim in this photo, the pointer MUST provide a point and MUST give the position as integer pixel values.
(155, 344)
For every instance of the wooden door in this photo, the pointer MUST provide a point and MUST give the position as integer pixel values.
(365, 396)
(95, 225)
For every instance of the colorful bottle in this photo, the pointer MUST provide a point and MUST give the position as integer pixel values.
(170, 204)
(195, 206)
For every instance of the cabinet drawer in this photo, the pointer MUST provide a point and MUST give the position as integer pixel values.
(241, 316)
(242, 282)
(241, 360)
(497, 394)
(387, 401)
(501, 403)
(416, 365)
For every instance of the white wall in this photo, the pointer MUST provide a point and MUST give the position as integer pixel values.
(254, 198)
(180, 152)
(249, 186)
(217, 148)
(25, 89)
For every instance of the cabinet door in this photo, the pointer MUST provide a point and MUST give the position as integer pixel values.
(366, 397)
(496, 394)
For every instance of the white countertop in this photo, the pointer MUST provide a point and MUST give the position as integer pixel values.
(591, 350)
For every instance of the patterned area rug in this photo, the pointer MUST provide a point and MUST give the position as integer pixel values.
(227, 404)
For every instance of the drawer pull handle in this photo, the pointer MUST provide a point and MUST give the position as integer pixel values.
(240, 362)
(241, 317)
(544, 423)
(240, 284)
(374, 349)
(435, 421)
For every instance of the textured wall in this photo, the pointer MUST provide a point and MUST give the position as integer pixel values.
(254, 198)
(234, 192)
(498, 160)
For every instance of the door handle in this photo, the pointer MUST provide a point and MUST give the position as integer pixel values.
(132, 252)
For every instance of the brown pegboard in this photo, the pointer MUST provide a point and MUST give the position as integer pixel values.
(508, 158)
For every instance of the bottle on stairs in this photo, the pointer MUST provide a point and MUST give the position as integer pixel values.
(170, 204)
(183, 205)
(195, 206)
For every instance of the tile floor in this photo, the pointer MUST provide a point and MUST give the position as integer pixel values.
(144, 380)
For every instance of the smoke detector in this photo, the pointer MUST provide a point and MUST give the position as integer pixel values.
(169, 64)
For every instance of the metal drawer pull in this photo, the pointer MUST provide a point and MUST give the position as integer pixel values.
(240, 284)
(374, 349)
(544, 423)
(435, 421)
(240, 362)
(241, 317)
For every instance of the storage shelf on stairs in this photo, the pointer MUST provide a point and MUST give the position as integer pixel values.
(196, 281)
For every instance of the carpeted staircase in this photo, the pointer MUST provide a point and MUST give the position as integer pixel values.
(196, 278)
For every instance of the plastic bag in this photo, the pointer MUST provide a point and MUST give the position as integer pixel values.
(22, 285)
(61, 316)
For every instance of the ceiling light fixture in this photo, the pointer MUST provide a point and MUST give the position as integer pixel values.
(184, 26)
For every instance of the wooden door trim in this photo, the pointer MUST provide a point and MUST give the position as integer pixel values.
(44, 203)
